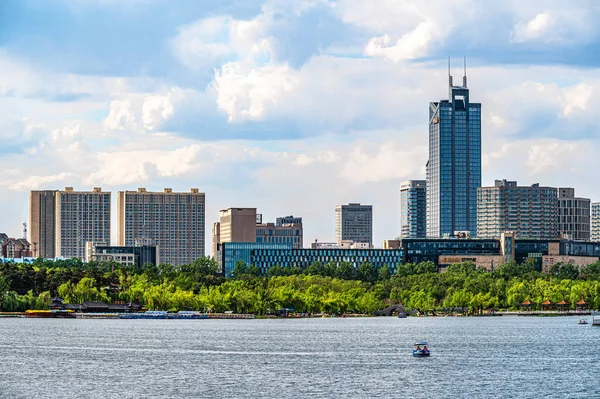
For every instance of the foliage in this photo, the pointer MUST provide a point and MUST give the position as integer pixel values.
(331, 288)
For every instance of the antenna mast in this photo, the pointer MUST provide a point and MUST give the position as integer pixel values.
(449, 75)
(465, 75)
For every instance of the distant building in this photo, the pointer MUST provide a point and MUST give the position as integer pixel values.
(454, 165)
(528, 211)
(280, 233)
(346, 244)
(265, 256)
(245, 225)
(81, 216)
(16, 248)
(354, 222)
(413, 209)
(573, 215)
(42, 223)
(173, 221)
(61, 222)
(136, 255)
(595, 222)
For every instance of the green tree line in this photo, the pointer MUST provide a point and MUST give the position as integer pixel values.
(331, 288)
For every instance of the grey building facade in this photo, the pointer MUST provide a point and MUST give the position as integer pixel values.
(573, 215)
(354, 222)
(454, 165)
(413, 209)
(595, 222)
(529, 211)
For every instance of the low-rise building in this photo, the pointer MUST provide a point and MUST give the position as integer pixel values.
(16, 248)
(135, 255)
(265, 256)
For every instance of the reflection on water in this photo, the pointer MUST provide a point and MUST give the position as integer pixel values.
(364, 357)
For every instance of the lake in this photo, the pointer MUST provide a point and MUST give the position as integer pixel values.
(489, 357)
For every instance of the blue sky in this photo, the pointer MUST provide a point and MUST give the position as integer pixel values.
(288, 106)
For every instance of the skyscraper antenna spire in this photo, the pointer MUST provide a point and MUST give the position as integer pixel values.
(465, 75)
(449, 74)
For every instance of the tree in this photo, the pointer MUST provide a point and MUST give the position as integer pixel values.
(384, 273)
(367, 272)
(239, 269)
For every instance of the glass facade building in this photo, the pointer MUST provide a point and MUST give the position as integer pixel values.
(265, 256)
(413, 212)
(429, 249)
(454, 165)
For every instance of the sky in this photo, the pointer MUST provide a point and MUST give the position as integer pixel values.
(289, 106)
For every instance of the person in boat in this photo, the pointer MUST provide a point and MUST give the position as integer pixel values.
(418, 347)
(425, 348)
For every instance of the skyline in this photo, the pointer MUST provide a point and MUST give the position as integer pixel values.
(224, 98)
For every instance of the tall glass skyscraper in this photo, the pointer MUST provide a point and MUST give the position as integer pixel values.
(454, 166)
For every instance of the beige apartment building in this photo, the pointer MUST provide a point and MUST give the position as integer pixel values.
(173, 221)
(61, 222)
(42, 223)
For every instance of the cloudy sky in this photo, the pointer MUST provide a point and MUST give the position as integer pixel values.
(290, 106)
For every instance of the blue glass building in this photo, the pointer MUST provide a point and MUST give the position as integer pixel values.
(265, 256)
(454, 166)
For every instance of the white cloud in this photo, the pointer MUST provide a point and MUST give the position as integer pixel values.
(411, 45)
(155, 110)
(540, 26)
(245, 92)
(36, 182)
(120, 115)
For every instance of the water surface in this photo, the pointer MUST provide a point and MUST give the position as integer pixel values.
(495, 357)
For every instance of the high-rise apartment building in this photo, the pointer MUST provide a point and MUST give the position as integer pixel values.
(527, 211)
(413, 209)
(573, 215)
(595, 222)
(354, 222)
(42, 223)
(173, 221)
(61, 222)
(454, 165)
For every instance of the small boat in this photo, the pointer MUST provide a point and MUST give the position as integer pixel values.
(582, 321)
(420, 349)
(402, 315)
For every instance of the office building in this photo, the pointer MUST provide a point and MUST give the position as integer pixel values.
(347, 244)
(173, 221)
(245, 225)
(354, 222)
(81, 216)
(238, 225)
(413, 209)
(265, 256)
(573, 215)
(286, 229)
(42, 223)
(528, 211)
(454, 165)
(136, 255)
(595, 222)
